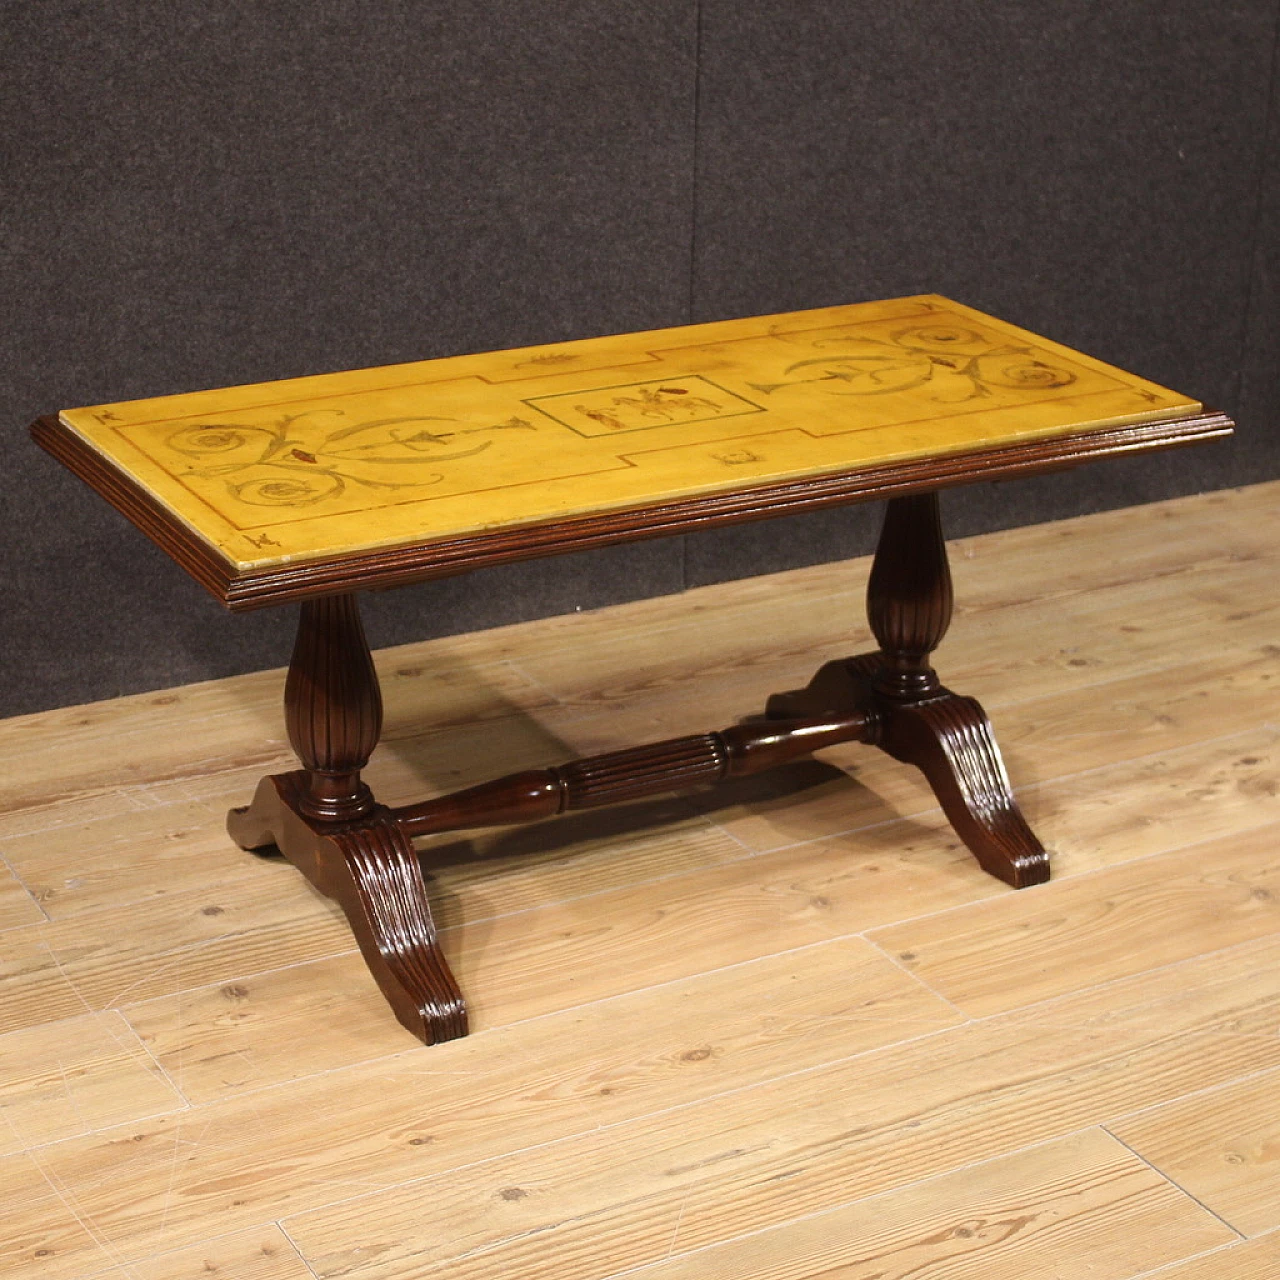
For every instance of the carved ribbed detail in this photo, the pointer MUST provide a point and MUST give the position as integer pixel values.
(398, 936)
(909, 598)
(333, 707)
(949, 738)
(371, 870)
(628, 775)
(643, 771)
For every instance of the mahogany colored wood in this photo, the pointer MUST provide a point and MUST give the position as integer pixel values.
(397, 566)
(333, 707)
(371, 870)
(909, 598)
(672, 765)
(947, 736)
(324, 819)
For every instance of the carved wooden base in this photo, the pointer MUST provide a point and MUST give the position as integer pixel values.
(370, 869)
(948, 738)
(325, 820)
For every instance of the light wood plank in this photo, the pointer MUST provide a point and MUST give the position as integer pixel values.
(541, 959)
(66, 1078)
(121, 854)
(835, 997)
(35, 988)
(1250, 1260)
(1172, 999)
(17, 906)
(45, 1237)
(59, 756)
(1080, 1206)
(1041, 739)
(264, 1253)
(1222, 1146)
(149, 949)
(787, 1148)
(1070, 933)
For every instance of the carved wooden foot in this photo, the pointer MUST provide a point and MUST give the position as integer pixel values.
(949, 740)
(909, 713)
(371, 870)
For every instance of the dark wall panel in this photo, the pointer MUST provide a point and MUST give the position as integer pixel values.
(1260, 385)
(192, 195)
(202, 194)
(1088, 171)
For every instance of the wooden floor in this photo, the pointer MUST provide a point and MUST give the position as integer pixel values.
(787, 1029)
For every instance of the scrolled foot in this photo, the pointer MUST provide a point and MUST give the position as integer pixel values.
(370, 869)
(385, 899)
(949, 739)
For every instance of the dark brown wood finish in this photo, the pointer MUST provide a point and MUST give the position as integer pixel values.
(674, 765)
(324, 819)
(333, 707)
(947, 736)
(398, 566)
(370, 868)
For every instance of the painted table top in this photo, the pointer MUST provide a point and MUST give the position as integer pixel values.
(312, 468)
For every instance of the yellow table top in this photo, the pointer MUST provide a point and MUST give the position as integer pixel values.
(299, 470)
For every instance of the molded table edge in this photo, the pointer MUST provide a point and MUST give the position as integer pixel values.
(415, 562)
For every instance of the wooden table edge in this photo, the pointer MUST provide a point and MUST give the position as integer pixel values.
(381, 567)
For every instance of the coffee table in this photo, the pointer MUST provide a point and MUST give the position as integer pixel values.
(316, 488)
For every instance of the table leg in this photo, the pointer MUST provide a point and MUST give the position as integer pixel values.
(325, 820)
(947, 736)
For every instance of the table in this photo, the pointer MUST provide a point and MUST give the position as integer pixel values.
(316, 488)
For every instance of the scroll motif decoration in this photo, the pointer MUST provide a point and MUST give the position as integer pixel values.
(292, 463)
(960, 362)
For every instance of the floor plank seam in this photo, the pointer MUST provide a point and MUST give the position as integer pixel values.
(1165, 1268)
(86, 1223)
(26, 888)
(1098, 987)
(415, 1050)
(1177, 1186)
(160, 1067)
(896, 1189)
(965, 1018)
(1078, 876)
(278, 1223)
(1208, 1091)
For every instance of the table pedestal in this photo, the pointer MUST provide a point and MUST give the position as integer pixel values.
(325, 820)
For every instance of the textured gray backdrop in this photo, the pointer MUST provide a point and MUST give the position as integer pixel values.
(201, 194)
